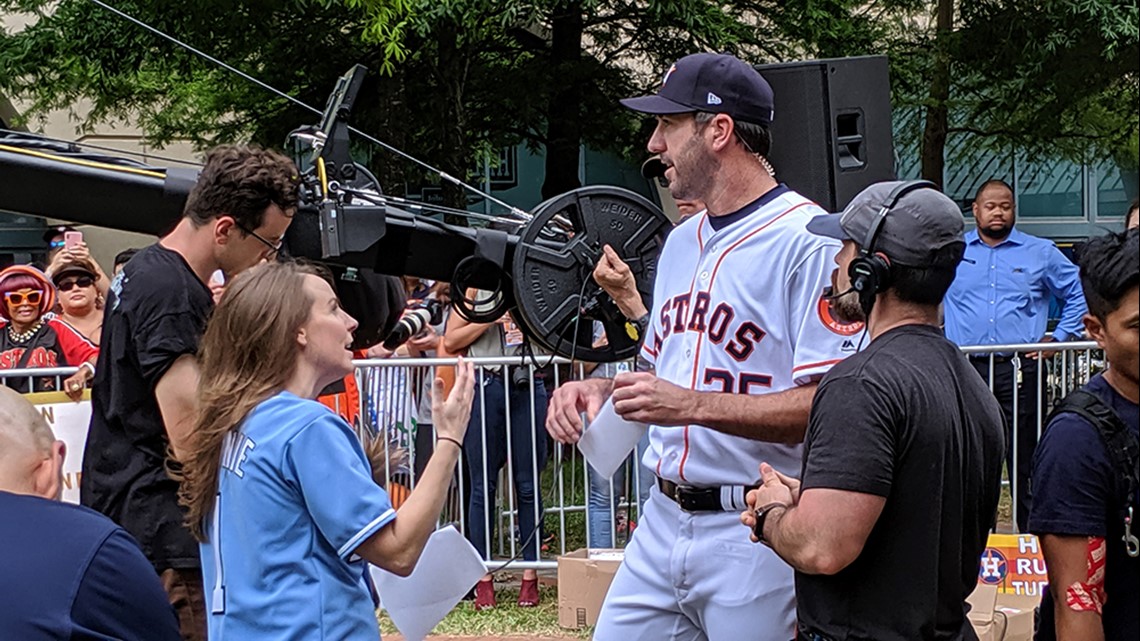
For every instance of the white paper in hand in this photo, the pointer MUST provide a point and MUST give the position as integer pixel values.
(608, 440)
(448, 568)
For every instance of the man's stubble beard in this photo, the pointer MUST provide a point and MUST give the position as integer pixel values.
(701, 167)
(996, 234)
(1001, 233)
(847, 309)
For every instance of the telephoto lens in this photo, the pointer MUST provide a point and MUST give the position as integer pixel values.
(411, 323)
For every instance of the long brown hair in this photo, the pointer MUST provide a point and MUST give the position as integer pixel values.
(247, 354)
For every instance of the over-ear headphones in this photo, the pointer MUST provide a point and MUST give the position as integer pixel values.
(870, 273)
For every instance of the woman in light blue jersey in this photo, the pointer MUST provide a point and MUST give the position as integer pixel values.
(278, 488)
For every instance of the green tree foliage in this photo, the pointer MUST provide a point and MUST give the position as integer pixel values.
(1055, 78)
(1052, 75)
(459, 77)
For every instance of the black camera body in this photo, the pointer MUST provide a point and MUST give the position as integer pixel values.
(520, 376)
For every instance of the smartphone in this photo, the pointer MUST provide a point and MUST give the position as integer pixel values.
(72, 239)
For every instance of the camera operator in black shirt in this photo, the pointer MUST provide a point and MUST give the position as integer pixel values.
(903, 454)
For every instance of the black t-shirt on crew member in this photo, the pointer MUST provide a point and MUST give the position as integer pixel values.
(156, 312)
(910, 420)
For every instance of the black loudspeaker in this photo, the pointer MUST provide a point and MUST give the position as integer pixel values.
(831, 135)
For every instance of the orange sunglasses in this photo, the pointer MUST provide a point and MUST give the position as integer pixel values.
(18, 298)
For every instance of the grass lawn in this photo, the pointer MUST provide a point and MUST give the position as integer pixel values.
(506, 619)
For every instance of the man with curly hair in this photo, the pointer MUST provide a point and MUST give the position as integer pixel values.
(143, 397)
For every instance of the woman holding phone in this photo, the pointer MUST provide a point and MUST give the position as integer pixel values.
(277, 487)
(74, 251)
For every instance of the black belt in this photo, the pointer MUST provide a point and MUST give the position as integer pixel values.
(706, 499)
(985, 358)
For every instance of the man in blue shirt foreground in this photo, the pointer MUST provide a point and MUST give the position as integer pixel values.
(1001, 296)
(1080, 482)
(68, 572)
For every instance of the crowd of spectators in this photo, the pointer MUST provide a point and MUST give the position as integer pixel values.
(54, 317)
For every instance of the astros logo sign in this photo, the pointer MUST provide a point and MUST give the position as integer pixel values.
(993, 568)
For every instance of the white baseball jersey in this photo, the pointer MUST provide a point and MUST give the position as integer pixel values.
(741, 310)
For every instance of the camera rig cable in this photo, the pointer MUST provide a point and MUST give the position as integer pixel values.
(376, 141)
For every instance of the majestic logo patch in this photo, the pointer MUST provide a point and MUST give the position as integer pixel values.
(830, 322)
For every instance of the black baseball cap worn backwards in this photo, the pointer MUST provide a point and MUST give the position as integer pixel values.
(714, 83)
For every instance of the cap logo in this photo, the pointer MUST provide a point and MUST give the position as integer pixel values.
(713, 99)
(667, 74)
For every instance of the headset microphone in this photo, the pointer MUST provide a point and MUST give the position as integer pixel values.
(827, 293)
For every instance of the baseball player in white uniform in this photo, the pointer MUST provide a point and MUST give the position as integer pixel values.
(739, 333)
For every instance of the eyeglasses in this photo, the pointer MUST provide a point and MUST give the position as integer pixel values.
(19, 298)
(82, 281)
(273, 248)
(57, 244)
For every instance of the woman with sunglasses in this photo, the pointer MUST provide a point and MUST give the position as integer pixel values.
(62, 257)
(75, 284)
(32, 337)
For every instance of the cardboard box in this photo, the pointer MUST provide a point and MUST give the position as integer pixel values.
(584, 577)
(983, 604)
(997, 616)
(1018, 611)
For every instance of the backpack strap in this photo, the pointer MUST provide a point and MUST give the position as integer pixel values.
(1121, 445)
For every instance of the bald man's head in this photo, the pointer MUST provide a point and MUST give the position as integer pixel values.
(31, 459)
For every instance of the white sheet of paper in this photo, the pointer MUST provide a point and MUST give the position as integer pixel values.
(448, 568)
(608, 440)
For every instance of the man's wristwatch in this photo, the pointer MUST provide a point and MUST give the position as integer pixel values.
(636, 328)
(762, 516)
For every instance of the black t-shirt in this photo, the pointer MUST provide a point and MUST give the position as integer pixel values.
(910, 420)
(69, 573)
(156, 312)
(1075, 494)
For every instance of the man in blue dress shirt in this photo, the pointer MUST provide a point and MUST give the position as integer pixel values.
(1001, 296)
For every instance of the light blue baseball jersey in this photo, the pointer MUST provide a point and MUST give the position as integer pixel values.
(295, 499)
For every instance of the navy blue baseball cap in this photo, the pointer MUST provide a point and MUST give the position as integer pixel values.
(711, 82)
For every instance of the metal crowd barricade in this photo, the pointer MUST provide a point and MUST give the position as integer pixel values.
(1070, 366)
(395, 395)
(566, 485)
(29, 375)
